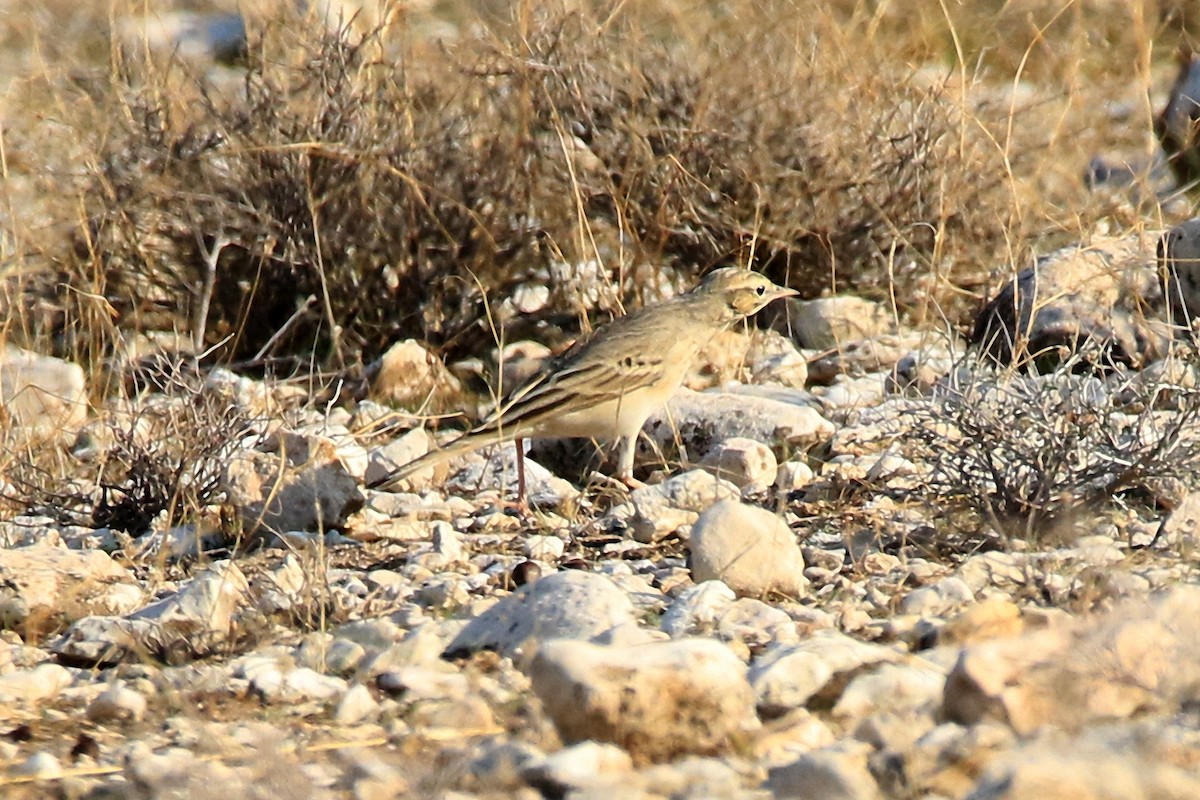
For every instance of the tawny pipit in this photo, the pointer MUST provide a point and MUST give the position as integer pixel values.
(607, 387)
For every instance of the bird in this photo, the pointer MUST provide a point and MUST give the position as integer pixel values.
(608, 386)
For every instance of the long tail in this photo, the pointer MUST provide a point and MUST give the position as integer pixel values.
(463, 444)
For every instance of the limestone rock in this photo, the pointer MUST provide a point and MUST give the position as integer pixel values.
(696, 610)
(656, 700)
(832, 773)
(652, 512)
(39, 394)
(831, 322)
(383, 460)
(749, 549)
(937, 598)
(1105, 295)
(749, 465)
(1182, 528)
(701, 420)
(881, 353)
(117, 703)
(410, 377)
(292, 483)
(566, 605)
(579, 767)
(47, 587)
(28, 687)
(498, 471)
(188, 624)
(1135, 659)
(789, 677)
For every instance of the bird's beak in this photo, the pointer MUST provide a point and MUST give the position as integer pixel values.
(784, 291)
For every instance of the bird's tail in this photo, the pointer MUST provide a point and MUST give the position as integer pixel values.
(463, 444)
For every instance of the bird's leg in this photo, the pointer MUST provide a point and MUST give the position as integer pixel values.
(625, 462)
(522, 501)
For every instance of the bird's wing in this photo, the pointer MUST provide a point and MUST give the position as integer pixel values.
(575, 385)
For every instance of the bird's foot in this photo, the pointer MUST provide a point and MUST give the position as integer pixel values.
(632, 482)
(625, 483)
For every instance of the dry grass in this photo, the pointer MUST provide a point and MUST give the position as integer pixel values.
(348, 189)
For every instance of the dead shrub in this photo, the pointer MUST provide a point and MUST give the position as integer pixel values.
(351, 191)
(160, 454)
(1031, 453)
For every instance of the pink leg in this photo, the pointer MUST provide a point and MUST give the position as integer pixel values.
(521, 503)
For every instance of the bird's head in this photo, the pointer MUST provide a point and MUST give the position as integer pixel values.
(740, 292)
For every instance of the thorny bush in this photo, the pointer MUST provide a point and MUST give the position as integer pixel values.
(352, 190)
(1028, 451)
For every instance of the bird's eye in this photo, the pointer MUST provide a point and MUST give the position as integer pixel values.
(760, 291)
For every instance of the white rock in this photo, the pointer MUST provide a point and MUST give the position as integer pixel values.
(28, 686)
(652, 512)
(418, 683)
(578, 767)
(845, 393)
(383, 460)
(701, 419)
(773, 358)
(295, 685)
(281, 588)
(830, 322)
(42, 395)
(448, 543)
(41, 764)
(696, 777)
(938, 598)
(357, 705)
(793, 475)
(371, 633)
(788, 677)
(696, 610)
(996, 570)
(499, 764)
(444, 590)
(498, 472)
(833, 773)
(564, 605)
(409, 376)
(55, 585)
(756, 624)
(292, 483)
(748, 548)
(1181, 529)
(171, 544)
(749, 465)
(543, 548)
(117, 703)
(189, 623)
(657, 700)
(892, 688)
(343, 657)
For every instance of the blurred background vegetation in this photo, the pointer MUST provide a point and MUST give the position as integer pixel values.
(286, 188)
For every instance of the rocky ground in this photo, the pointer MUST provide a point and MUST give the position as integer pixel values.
(872, 559)
(810, 599)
